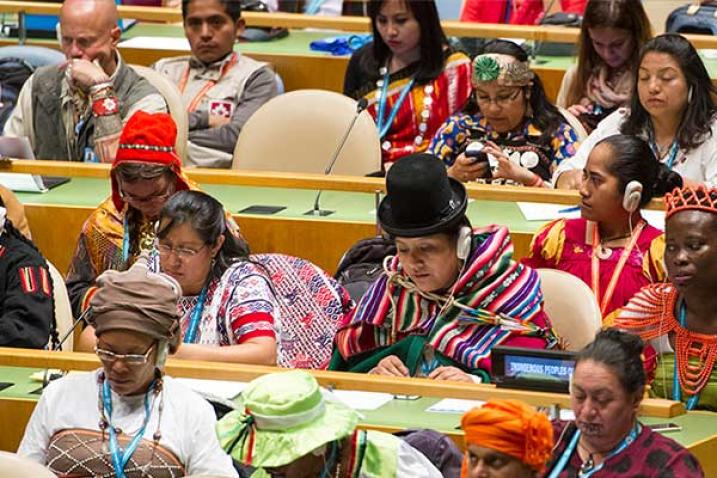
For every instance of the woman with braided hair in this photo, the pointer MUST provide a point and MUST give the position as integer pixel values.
(450, 295)
(26, 302)
(127, 419)
(677, 318)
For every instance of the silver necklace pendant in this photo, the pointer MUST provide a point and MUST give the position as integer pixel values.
(587, 465)
(603, 252)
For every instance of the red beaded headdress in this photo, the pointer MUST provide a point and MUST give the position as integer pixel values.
(700, 197)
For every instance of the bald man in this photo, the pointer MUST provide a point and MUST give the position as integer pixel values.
(76, 112)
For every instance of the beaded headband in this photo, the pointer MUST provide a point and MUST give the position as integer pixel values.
(148, 147)
(504, 69)
(700, 198)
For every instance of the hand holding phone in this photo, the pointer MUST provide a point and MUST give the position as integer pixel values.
(475, 151)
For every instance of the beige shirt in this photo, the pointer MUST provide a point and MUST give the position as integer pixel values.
(21, 122)
(234, 87)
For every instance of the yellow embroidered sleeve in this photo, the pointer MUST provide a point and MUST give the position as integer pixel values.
(549, 241)
(654, 260)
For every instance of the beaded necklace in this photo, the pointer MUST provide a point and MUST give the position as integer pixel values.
(384, 124)
(121, 458)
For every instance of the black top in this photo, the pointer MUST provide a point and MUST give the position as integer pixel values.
(26, 303)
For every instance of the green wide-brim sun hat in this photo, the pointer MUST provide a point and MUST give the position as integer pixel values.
(290, 417)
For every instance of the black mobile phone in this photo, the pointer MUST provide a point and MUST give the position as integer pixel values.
(665, 427)
(474, 151)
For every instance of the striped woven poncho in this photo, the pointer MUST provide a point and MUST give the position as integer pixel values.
(493, 286)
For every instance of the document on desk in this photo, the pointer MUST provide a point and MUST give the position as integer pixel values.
(223, 389)
(454, 405)
(156, 43)
(362, 400)
(538, 211)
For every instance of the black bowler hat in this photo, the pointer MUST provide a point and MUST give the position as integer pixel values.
(422, 199)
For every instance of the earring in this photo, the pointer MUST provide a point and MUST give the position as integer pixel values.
(689, 95)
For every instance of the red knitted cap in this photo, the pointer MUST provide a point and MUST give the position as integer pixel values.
(148, 138)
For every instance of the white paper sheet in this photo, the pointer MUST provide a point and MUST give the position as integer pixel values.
(362, 400)
(216, 388)
(157, 43)
(567, 415)
(536, 211)
(454, 405)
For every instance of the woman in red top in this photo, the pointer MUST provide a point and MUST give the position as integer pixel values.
(514, 12)
(610, 247)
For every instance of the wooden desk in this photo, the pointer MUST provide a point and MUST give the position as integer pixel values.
(56, 217)
(17, 403)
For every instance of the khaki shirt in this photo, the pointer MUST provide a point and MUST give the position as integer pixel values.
(234, 87)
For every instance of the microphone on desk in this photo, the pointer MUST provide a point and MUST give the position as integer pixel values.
(57, 345)
(361, 105)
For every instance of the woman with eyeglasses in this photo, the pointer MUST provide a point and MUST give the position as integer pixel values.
(228, 312)
(145, 173)
(522, 135)
(127, 419)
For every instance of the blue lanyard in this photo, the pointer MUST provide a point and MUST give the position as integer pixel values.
(671, 156)
(570, 449)
(196, 316)
(676, 389)
(383, 127)
(313, 7)
(119, 458)
(125, 239)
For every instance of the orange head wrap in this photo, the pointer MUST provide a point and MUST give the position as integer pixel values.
(510, 427)
(700, 198)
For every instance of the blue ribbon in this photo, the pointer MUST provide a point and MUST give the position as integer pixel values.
(671, 156)
(384, 126)
(125, 239)
(120, 458)
(196, 316)
(676, 389)
(563, 461)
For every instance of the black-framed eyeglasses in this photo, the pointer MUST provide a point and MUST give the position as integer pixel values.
(500, 100)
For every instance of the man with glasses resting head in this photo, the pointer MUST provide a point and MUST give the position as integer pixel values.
(127, 419)
(144, 174)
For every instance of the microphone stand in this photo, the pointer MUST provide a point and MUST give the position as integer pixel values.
(317, 211)
(58, 346)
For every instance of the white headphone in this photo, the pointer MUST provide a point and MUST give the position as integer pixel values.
(633, 196)
(463, 246)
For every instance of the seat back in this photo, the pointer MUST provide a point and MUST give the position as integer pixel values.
(299, 132)
(177, 109)
(571, 306)
(63, 309)
(312, 305)
(15, 466)
(36, 56)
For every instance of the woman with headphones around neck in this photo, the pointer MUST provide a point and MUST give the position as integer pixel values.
(611, 247)
(451, 293)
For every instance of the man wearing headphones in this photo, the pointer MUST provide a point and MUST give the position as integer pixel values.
(76, 112)
(127, 417)
(451, 293)
(611, 247)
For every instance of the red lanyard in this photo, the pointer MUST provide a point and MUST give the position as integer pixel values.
(595, 269)
(208, 85)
